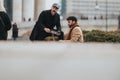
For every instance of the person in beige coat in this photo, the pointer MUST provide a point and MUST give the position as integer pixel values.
(75, 33)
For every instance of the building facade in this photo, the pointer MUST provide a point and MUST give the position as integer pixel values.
(92, 9)
(23, 10)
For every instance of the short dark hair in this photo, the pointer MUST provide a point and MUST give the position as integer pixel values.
(73, 18)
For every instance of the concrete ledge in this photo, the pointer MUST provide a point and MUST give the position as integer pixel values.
(59, 61)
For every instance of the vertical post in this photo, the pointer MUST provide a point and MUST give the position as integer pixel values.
(63, 8)
(106, 15)
(17, 11)
(119, 22)
(96, 9)
(27, 9)
(39, 5)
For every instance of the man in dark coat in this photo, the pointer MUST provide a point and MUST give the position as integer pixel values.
(47, 21)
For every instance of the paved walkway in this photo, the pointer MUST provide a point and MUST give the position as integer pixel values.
(59, 61)
(26, 27)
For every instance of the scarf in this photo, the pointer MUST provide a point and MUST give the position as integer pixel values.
(70, 31)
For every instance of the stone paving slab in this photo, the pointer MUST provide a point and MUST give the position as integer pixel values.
(59, 61)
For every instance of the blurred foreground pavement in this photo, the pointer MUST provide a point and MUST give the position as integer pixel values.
(59, 61)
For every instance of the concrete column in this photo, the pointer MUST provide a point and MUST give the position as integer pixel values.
(39, 6)
(17, 11)
(2, 1)
(28, 9)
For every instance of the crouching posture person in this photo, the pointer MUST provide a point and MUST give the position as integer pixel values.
(47, 21)
(75, 33)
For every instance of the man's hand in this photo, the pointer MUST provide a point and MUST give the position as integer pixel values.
(58, 34)
(55, 32)
(47, 30)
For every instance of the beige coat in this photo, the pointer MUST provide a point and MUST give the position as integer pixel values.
(75, 34)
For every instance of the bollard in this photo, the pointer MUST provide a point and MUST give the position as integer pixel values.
(15, 31)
